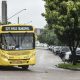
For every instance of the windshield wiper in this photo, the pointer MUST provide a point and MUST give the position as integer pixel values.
(23, 37)
(5, 42)
(12, 37)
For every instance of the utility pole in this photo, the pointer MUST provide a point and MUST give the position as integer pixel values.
(18, 20)
(4, 11)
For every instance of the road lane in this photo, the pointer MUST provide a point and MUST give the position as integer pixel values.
(46, 59)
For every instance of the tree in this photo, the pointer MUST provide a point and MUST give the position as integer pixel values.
(64, 17)
(48, 37)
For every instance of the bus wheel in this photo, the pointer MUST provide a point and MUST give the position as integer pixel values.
(25, 67)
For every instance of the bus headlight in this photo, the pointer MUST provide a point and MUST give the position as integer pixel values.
(26, 57)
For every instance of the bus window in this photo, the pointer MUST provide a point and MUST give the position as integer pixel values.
(18, 41)
(0, 42)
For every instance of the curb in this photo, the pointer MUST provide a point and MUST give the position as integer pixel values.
(75, 69)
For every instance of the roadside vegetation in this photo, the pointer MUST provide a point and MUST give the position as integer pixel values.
(63, 24)
(69, 66)
(49, 37)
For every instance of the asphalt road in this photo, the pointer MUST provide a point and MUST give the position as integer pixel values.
(44, 69)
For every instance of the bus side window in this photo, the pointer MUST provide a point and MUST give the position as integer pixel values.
(0, 42)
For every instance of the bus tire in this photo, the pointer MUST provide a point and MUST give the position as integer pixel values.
(25, 67)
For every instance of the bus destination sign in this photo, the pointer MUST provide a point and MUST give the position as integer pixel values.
(17, 28)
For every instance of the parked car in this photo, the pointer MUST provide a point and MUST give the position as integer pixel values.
(56, 50)
(68, 56)
(63, 52)
(50, 47)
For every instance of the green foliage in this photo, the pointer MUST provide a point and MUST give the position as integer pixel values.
(62, 14)
(48, 37)
(64, 17)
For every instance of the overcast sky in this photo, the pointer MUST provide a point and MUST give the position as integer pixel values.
(32, 15)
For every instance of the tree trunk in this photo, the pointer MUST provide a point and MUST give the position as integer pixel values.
(74, 57)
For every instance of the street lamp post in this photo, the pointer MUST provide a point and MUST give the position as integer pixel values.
(16, 14)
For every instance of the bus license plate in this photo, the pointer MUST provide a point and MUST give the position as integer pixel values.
(18, 62)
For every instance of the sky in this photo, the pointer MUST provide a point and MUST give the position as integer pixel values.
(32, 14)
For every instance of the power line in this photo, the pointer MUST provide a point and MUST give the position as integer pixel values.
(16, 13)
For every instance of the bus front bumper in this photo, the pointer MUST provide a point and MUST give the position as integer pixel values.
(17, 62)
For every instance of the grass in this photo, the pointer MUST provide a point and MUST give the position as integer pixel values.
(69, 66)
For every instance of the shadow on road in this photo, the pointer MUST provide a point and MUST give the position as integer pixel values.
(8, 68)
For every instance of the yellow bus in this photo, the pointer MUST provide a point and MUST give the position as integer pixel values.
(17, 45)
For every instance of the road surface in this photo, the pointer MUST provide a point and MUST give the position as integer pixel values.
(44, 69)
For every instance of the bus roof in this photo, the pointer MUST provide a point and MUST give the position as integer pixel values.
(17, 25)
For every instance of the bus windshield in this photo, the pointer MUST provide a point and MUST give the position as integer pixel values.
(17, 41)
